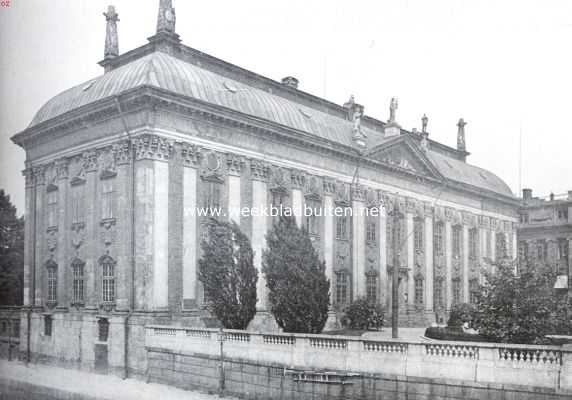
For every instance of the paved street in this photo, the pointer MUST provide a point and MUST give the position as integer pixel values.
(102, 387)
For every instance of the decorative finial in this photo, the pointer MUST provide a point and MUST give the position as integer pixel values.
(424, 122)
(111, 41)
(392, 110)
(461, 145)
(166, 18)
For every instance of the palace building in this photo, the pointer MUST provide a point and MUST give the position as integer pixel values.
(545, 233)
(117, 166)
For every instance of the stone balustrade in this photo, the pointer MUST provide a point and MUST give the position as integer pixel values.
(532, 365)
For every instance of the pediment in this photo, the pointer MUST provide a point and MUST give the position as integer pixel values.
(406, 155)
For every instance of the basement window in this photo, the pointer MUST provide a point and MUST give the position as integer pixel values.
(305, 114)
(483, 176)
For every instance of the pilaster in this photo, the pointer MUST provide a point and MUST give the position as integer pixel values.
(465, 263)
(409, 236)
(428, 258)
(358, 242)
(382, 234)
(448, 258)
(29, 229)
(259, 172)
(62, 233)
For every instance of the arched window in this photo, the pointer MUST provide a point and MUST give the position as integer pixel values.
(500, 248)
(456, 290)
(107, 278)
(473, 243)
(457, 240)
(78, 281)
(473, 290)
(52, 271)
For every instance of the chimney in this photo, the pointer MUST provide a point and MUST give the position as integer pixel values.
(551, 196)
(166, 39)
(527, 194)
(570, 195)
(290, 81)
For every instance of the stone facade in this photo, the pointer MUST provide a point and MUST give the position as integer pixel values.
(545, 233)
(113, 187)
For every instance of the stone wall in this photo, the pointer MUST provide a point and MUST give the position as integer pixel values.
(294, 366)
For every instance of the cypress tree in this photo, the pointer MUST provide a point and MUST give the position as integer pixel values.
(296, 279)
(228, 275)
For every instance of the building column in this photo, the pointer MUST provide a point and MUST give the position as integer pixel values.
(152, 221)
(160, 235)
(29, 228)
(514, 243)
(329, 241)
(493, 245)
(428, 261)
(235, 166)
(448, 263)
(465, 264)
(410, 239)
(190, 242)
(298, 206)
(382, 234)
(259, 201)
(358, 244)
(62, 234)
(91, 230)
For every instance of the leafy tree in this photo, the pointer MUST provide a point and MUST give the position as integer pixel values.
(523, 307)
(296, 279)
(363, 314)
(461, 313)
(228, 275)
(11, 253)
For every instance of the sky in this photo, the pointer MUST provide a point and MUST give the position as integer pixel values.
(503, 66)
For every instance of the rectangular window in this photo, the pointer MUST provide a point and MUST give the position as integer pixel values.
(371, 231)
(541, 250)
(108, 277)
(439, 294)
(456, 291)
(524, 218)
(107, 194)
(342, 227)
(473, 243)
(277, 200)
(312, 212)
(48, 325)
(522, 251)
(457, 233)
(52, 284)
(418, 235)
(439, 248)
(473, 291)
(52, 208)
(563, 249)
(77, 204)
(342, 287)
(78, 282)
(103, 329)
(500, 248)
(419, 290)
(563, 214)
(371, 287)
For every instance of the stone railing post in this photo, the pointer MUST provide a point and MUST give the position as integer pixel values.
(566, 368)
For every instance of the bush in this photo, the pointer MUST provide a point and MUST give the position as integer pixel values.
(455, 334)
(362, 314)
(461, 313)
(228, 275)
(299, 291)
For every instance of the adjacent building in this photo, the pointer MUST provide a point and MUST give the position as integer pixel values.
(545, 233)
(117, 167)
